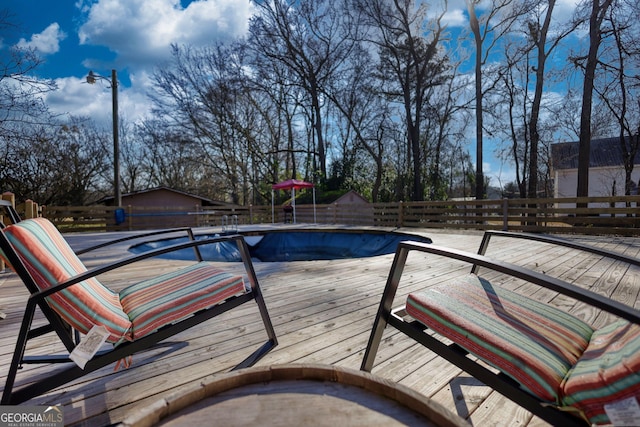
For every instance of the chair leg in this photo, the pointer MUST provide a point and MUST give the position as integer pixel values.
(256, 290)
(268, 326)
(18, 353)
(256, 355)
(264, 313)
(384, 310)
(62, 377)
(374, 342)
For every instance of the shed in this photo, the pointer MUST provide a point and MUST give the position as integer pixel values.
(343, 210)
(164, 207)
(351, 197)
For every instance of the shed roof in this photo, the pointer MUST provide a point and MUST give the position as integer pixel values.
(204, 200)
(351, 196)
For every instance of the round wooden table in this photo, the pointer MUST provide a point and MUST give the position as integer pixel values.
(295, 395)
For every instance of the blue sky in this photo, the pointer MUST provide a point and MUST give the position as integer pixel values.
(133, 37)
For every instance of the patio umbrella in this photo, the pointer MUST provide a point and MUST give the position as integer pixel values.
(293, 185)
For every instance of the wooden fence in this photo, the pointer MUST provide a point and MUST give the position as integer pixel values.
(594, 215)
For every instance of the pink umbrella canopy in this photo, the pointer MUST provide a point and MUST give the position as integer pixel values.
(291, 184)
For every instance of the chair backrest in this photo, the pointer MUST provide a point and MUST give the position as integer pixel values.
(607, 372)
(49, 260)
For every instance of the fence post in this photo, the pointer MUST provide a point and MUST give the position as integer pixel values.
(30, 209)
(12, 199)
(400, 213)
(505, 214)
(130, 217)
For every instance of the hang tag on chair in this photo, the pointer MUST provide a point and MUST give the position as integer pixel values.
(89, 345)
(623, 412)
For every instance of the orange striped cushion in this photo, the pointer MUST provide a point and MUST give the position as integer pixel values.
(607, 372)
(531, 342)
(50, 261)
(173, 296)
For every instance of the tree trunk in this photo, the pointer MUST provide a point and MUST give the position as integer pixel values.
(475, 28)
(595, 21)
(541, 41)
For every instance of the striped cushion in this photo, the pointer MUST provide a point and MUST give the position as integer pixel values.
(533, 343)
(50, 261)
(173, 296)
(607, 372)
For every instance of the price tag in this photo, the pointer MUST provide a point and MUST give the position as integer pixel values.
(89, 345)
(623, 412)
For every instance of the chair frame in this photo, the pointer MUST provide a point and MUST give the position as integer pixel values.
(70, 338)
(397, 317)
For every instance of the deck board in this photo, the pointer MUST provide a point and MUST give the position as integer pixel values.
(322, 313)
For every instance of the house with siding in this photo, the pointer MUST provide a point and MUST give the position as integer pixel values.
(606, 168)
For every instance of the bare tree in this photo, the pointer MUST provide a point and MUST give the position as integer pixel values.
(80, 163)
(174, 161)
(132, 153)
(478, 38)
(62, 165)
(277, 99)
(20, 92)
(589, 63)
(487, 31)
(365, 114)
(202, 94)
(526, 53)
(443, 126)
(538, 33)
(311, 38)
(411, 62)
(620, 82)
(44, 158)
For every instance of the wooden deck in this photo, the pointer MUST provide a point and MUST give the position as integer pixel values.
(322, 313)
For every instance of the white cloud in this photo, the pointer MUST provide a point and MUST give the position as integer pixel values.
(455, 18)
(499, 178)
(75, 97)
(456, 13)
(47, 42)
(141, 31)
(565, 9)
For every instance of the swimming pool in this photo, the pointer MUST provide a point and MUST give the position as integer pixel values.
(299, 245)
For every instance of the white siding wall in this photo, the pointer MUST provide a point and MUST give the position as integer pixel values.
(600, 181)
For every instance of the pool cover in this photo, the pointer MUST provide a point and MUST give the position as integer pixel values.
(303, 246)
(295, 246)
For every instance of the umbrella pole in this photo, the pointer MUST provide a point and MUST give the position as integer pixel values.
(293, 203)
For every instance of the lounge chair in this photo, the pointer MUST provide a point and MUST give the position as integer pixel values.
(544, 359)
(74, 301)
